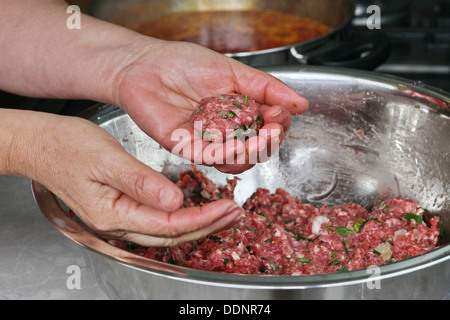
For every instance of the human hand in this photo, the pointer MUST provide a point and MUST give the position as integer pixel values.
(163, 84)
(117, 196)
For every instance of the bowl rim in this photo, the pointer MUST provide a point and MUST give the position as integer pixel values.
(53, 211)
(58, 217)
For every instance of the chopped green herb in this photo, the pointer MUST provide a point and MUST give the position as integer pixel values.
(375, 219)
(131, 246)
(413, 216)
(259, 118)
(172, 261)
(334, 262)
(224, 116)
(250, 229)
(274, 266)
(260, 214)
(220, 195)
(288, 230)
(376, 252)
(231, 113)
(333, 255)
(383, 206)
(246, 100)
(200, 109)
(226, 260)
(196, 195)
(417, 106)
(343, 231)
(205, 133)
(299, 237)
(343, 269)
(345, 243)
(240, 130)
(237, 105)
(214, 238)
(268, 240)
(232, 235)
(303, 260)
(294, 105)
(358, 226)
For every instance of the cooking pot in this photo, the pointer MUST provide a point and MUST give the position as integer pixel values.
(404, 151)
(335, 48)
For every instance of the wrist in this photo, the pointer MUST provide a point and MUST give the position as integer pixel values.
(22, 141)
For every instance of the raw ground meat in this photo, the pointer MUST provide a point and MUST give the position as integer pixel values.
(226, 117)
(280, 235)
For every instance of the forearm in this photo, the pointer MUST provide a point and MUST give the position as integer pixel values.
(41, 57)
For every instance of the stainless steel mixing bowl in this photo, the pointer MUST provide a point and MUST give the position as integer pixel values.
(365, 137)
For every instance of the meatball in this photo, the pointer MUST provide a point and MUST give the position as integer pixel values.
(223, 117)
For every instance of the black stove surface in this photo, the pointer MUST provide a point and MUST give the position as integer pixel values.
(420, 37)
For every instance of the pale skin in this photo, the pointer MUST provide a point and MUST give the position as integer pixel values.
(157, 83)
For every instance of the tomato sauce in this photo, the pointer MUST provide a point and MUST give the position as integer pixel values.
(234, 31)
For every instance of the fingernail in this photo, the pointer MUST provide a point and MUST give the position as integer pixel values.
(169, 198)
(239, 217)
(276, 114)
(236, 213)
(234, 210)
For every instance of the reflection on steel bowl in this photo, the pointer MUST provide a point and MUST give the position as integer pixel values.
(234, 31)
(404, 152)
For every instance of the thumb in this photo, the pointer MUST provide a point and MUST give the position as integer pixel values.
(142, 183)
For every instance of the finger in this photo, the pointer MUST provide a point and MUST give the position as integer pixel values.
(267, 89)
(272, 134)
(190, 145)
(134, 217)
(140, 182)
(151, 241)
(277, 114)
(223, 152)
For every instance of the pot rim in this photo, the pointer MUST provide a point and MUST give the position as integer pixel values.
(349, 6)
(304, 45)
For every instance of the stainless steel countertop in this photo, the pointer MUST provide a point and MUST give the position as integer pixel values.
(35, 259)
